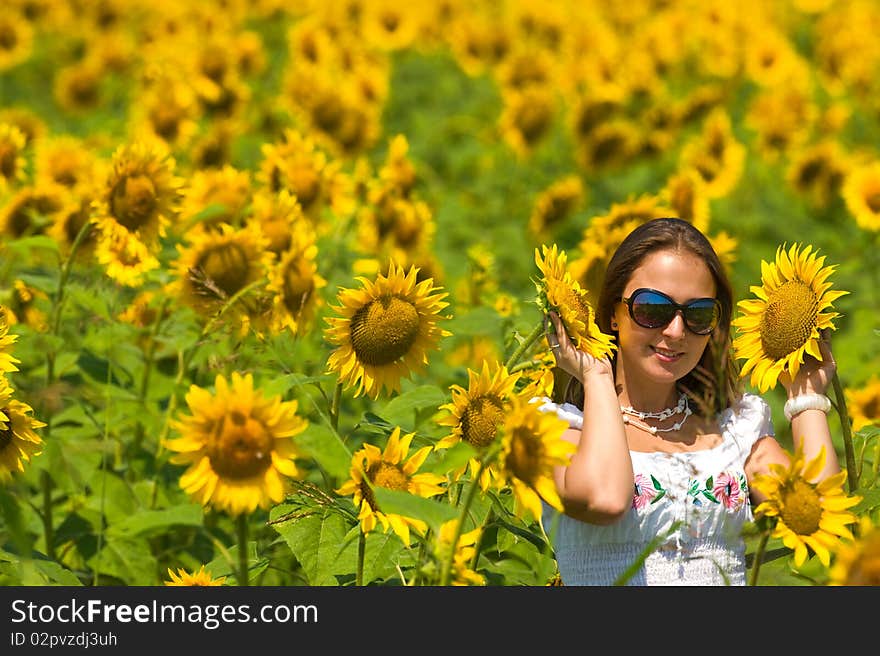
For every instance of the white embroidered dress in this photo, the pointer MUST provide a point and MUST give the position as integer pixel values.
(695, 502)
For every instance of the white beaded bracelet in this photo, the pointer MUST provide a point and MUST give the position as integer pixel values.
(798, 404)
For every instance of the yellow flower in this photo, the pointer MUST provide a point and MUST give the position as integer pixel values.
(140, 195)
(385, 331)
(558, 291)
(217, 264)
(7, 360)
(818, 172)
(237, 444)
(685, 193)
(125, 258)
(294, 283)
(555, 205)
(19, 441)
(532, 446)
(527, 117)
(858, 563)
(475, 415)
(227, 191)
(861, 191)
(864, 403)
(465, 550)
(12, 160)
(16, 39)
(807, 514)
(198, 578)
(780, 327)
(65, 160)
(715, 154)
(393, 470)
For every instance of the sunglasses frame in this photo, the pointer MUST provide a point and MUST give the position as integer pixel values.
(676, 307)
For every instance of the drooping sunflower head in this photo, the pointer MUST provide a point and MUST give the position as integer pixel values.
(476, 413)
(858, 563)
(238, 445)
(393, 469)
(19, 441)
(465, 550)
(864, 404)
(781, 326)
(807, 515)
(560, 292)
(385, 330)
(201, 577)
(532, 446)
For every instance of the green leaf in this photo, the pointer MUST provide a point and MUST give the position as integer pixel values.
(147, 521)
(396, 502)
(126, 559)
(324, 445)
(453, 458)
(402, 410)
(318, 542)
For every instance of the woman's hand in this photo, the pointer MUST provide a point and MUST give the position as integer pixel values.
(814, 376)
(568, 358)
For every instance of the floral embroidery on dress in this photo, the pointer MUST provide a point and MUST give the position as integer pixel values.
(646, 492)
(729, 488)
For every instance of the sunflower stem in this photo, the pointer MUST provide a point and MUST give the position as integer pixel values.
(446, 572)
(845, 425)
(242, 526)
(48, 529)
(530, 339)
(759, 557)
(334, 405)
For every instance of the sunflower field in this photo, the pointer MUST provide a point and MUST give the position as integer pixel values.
(269, 271)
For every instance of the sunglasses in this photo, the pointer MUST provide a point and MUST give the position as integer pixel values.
(652, 309)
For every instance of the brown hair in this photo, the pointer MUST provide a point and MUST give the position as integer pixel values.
(715, 382)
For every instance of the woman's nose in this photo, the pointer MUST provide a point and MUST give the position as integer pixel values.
(676, 328)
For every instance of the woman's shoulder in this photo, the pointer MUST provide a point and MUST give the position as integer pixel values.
(567, 411)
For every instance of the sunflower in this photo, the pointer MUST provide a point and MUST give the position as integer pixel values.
(391, 469)
(555, 205)
(781, 326)
(558, 291)
(818, 171)
(77, 87)
(864, 404)
(237, 444)
(226, 191)
(532, 446)
(858, 563)
(806, 514)
(398, 170)
(685, 194)
(31, 210)
(281, 220)
(141, 192)
(7, 360)
(527, 117)
(385, 331)
(861, 191)
(198, 578)
(12, 160)
(125, 258)
(216, 265)
(475, 414)
(65, 161)
(19, 441)
(465, 551)
(294, 283)
(16, 39)
(715, 154)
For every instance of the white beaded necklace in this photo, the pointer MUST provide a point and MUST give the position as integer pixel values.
(636, 418)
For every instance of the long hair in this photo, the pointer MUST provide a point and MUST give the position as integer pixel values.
(715, 382)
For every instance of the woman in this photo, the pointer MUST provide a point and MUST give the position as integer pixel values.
(668, 445)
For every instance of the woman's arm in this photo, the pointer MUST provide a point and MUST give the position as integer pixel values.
(597, 484)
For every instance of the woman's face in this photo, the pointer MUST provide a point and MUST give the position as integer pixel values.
(668, 353)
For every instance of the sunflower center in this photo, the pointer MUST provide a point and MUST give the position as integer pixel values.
(8, 156)
(524, 458)
(384, 330)
(5, 438)
(480, 420)
(227, 265)
(792, 313)
(801, 508)
(388, 476)
(865, 569)
(133, 201)
(241, 448)
(873, 202)
(297, 290)
(871, 409)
